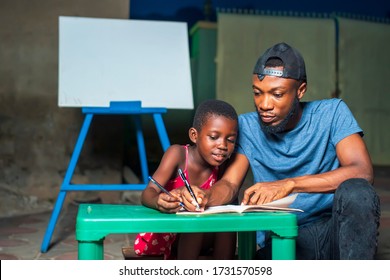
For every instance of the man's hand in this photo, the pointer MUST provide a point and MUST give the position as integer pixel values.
(265, 192)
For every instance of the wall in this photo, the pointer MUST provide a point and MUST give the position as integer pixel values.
(364, 83)
(36, 136)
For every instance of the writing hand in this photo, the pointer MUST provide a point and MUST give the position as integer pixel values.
(188, 200)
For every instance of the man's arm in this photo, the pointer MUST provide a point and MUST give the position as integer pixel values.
(354, 161)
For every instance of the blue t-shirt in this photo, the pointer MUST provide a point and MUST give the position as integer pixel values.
(310, 148)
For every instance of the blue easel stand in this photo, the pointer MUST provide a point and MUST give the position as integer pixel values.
(127, 108)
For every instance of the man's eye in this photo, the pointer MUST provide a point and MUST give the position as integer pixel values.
(278, 95)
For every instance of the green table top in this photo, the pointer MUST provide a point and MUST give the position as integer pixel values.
(95, 221)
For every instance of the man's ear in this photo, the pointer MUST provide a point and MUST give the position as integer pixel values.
(301, 90)
(193, 134)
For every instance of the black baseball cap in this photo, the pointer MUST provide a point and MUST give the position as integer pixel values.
(293, 63)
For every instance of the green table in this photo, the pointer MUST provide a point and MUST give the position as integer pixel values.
(96, 221)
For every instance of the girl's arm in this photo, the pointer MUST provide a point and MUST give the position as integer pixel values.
(152, 196)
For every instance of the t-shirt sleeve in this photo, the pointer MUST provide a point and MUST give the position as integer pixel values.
(242, 143)
(344, 123)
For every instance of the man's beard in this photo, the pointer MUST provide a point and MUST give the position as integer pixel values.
(281, 127)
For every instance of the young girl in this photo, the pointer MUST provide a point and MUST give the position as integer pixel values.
(213, 136)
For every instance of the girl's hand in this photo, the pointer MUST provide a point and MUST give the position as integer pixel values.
(168, 204)
(189, 201)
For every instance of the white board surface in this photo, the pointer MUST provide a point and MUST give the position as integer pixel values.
(104, 60)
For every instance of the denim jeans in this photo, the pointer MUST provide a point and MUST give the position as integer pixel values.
(349, 232)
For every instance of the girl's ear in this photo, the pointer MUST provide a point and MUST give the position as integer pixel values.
(193, 134)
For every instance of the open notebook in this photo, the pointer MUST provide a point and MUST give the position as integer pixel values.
(280, 205)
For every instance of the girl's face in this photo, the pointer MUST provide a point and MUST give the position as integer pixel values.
(216, 140)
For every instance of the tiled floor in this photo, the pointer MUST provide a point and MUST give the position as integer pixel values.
(21, 236)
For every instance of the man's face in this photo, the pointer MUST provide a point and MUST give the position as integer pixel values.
(277, 102)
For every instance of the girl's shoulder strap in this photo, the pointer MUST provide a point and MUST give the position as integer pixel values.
(185, 166)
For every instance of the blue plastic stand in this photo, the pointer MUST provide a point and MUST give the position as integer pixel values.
(127, 108)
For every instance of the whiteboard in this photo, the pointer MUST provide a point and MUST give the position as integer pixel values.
(104, 60)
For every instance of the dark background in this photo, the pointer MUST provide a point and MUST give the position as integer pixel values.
(192, 11)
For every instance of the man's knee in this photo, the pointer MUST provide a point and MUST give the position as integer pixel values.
(355, 187)
(359, 191)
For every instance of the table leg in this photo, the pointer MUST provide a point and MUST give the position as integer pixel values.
(283, 248)
(91, 250)
(246, 245)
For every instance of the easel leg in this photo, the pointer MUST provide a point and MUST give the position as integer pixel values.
(53, 220)
(141, 149)
(68, 176)
(162, 132)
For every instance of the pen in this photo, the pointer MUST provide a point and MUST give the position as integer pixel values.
(183, 177)
(163, 189)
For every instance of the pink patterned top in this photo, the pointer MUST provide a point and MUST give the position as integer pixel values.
(178, 182)
(155, 244)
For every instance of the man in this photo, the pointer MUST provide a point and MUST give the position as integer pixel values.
(311, 148)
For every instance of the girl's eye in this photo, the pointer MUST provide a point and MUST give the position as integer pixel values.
(231, 140)
(213, 137)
